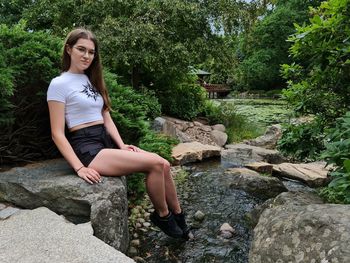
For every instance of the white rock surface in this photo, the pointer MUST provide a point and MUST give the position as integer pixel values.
(42, 236)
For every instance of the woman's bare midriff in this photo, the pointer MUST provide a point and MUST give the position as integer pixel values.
(84, 125)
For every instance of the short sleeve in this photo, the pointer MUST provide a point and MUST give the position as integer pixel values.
(56, 92)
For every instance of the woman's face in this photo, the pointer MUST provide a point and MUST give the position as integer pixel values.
(82, 54)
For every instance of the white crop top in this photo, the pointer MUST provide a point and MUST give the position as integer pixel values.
(83, 103)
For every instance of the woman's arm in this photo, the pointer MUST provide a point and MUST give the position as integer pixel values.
(113, 131)
(57, 123)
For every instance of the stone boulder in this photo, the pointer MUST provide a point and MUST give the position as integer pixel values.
(313, 174)
(293, 230)
(186, 131)
(264, 187)
(269, 139)
(40, 235)
(54, 185)
(192, 152)
(242, 154)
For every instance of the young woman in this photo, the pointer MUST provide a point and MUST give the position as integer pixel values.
(79, 99)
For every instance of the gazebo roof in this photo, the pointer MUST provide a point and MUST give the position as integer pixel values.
(199, 72)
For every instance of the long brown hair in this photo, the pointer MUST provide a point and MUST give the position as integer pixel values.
(94, 72)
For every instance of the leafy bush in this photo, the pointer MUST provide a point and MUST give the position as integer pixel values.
(303, 141)
(158, 143)
(28, 61)
(152, 142)
(238, 128)
(318, 78)
(184, 100)
(132, 111)
(337, 153)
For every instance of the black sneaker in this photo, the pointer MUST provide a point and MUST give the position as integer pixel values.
(181, 222)
(167, 224)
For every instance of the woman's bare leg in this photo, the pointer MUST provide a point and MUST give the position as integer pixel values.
(170, 190)
(115, 162)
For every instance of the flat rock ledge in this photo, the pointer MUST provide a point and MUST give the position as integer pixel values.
(295, 229)
(192, 152)
(54, 185)
(314, 174)
(40, 236)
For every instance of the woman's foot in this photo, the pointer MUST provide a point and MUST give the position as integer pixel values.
(181, 222)
(167, 224)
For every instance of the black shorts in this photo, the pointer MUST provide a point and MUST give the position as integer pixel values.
(88, 142)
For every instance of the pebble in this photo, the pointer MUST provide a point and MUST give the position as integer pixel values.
(7, 212)
(199, 215)
(132, 251)
(227, 227)
(135, 242)
(139, 259)
(2, 206)
(141, 220)
(138, 225)
(146, 224)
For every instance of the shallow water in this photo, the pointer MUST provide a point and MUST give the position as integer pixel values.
(206, 189)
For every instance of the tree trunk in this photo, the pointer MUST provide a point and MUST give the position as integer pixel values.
(135, 76)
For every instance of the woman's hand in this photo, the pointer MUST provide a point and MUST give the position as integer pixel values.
(132, 148)
(89, 175)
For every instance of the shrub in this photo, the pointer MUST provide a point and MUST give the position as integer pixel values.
(303, 141)
(337, 153)
(238, 128)
(184, 100)
(28, 61)
(132, 111)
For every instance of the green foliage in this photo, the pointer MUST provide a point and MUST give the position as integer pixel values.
(303, 141)
(131, 110)
(265, 47)
(238, 128)
(28, 61)
(158, 143)
(185, 100)
(337, 153)
(319, 79)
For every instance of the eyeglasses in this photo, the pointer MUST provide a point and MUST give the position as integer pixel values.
(83, 50)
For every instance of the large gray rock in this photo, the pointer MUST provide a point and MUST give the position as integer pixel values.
(242, 154)
(313, 174)
(41, 236)
(269, 140)
(264, 187)
(53, 184)
(186, 131)
(193, 151)
(293, 230)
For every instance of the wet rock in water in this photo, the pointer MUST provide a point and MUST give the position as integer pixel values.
(199, 216)
(260, 167)
(252, 182)
(226, 231)
(226, 234)
(298, 231)
(227, 227)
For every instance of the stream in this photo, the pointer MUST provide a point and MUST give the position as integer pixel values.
(207, 190)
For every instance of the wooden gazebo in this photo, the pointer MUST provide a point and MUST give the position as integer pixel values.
(214, 90)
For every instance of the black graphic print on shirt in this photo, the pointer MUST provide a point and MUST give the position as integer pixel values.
(90, 91)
